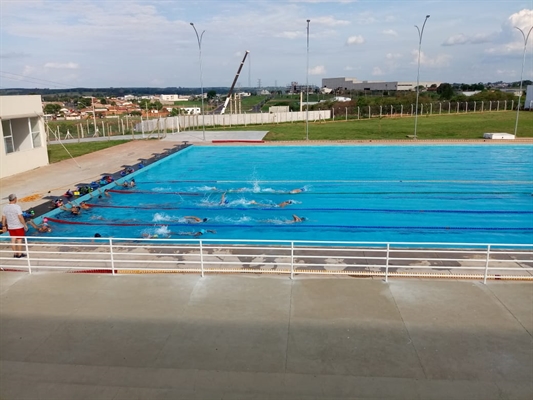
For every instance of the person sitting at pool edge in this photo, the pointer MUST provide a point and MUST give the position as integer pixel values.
(191, 219)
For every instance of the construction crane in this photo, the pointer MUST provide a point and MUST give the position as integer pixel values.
(226, 102)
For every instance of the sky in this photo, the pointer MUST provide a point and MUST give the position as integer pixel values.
(135, 43)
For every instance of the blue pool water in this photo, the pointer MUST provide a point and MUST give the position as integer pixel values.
(479, 194)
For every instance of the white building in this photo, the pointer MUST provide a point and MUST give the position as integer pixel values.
(357, 85)
(24, 140)
(174, 97)
(528, 105)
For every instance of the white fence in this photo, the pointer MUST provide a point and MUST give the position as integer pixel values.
(357, 259)
(183, 122)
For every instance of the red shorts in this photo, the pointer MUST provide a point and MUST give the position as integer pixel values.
(16, 232)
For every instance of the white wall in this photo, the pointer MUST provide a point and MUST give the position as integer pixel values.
(18, 109)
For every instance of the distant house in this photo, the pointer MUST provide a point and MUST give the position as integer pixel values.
(24, 145)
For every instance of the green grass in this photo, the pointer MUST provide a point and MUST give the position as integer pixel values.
(461, 126)
(56, 152)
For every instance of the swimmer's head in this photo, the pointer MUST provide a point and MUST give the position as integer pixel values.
(289, 202)
(303, 218)
(45, 220)
(202, 231)
(97, 235)
(205, 219)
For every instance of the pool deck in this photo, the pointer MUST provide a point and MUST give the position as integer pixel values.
(71, 336)
(90, 336)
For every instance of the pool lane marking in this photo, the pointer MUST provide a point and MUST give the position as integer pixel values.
(155, 208)
(306, 226)
(348, 181)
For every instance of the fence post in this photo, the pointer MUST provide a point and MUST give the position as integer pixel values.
(202, 257)
(505, 105)
(512, 105)
(486, 265)
(387, 264)
(358, 112)
(498, 105)
(369, 112)
(482, 104)
(292, 260)
(401, 110)
(28, 253)
(112, 256)
(346, 109)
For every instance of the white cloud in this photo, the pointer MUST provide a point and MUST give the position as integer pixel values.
(455, 39)
(291, 34)
(355, 40)
(376, 71)
(348, 68)
(521, 19)
(318, 70)
(390, 32)
(393, 56)
(69, 65)
(441, 60)
(329, 21)
(464, 39)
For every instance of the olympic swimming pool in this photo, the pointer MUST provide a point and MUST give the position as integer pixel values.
(470, 193)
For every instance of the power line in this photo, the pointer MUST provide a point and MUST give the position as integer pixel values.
(32, 80)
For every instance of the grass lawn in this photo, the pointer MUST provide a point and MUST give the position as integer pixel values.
(56, 152)
(461, 126)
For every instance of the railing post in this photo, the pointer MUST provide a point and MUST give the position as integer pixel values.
(112, 256)
(387, 264)
(292, 260)
(202, 257)
(486, 265)
(28, 253)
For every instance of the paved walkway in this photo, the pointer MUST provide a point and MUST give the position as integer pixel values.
(68, 336)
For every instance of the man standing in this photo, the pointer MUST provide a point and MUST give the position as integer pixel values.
(13, 221)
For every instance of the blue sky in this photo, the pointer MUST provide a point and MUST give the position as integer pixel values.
(109, 43)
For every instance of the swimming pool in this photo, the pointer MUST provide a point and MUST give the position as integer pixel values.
(469, 193)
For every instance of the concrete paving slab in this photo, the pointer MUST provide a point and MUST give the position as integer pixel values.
(276, 338)
(467, 336)
(331, 333)
(517, 299)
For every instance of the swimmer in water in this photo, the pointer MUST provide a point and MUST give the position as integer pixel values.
(294, 191)
(285, 203)
(42, 228)
(295, 219)
(199, 233)
(191, 219)
(223, 199)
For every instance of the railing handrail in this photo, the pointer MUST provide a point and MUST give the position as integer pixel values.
(355, 258)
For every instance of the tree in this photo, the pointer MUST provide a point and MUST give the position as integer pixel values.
(52, 108)
(84, 102)
(211, 94)
(445, 91)
(103, 100)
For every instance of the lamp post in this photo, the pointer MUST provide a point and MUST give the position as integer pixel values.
(420, 33)
(526, 37)
(307, 88)
(199, 38)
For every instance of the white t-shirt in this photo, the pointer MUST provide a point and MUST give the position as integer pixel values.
(11, 212)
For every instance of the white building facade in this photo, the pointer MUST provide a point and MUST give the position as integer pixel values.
(23, 145)
(357, 85)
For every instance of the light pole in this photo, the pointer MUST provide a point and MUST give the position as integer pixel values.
(199, 38)
(307, 88)
(420, 33)
(526, 37)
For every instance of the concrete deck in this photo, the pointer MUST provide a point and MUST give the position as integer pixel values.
(66, 336)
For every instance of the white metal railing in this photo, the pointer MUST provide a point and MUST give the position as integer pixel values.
(194, 255)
